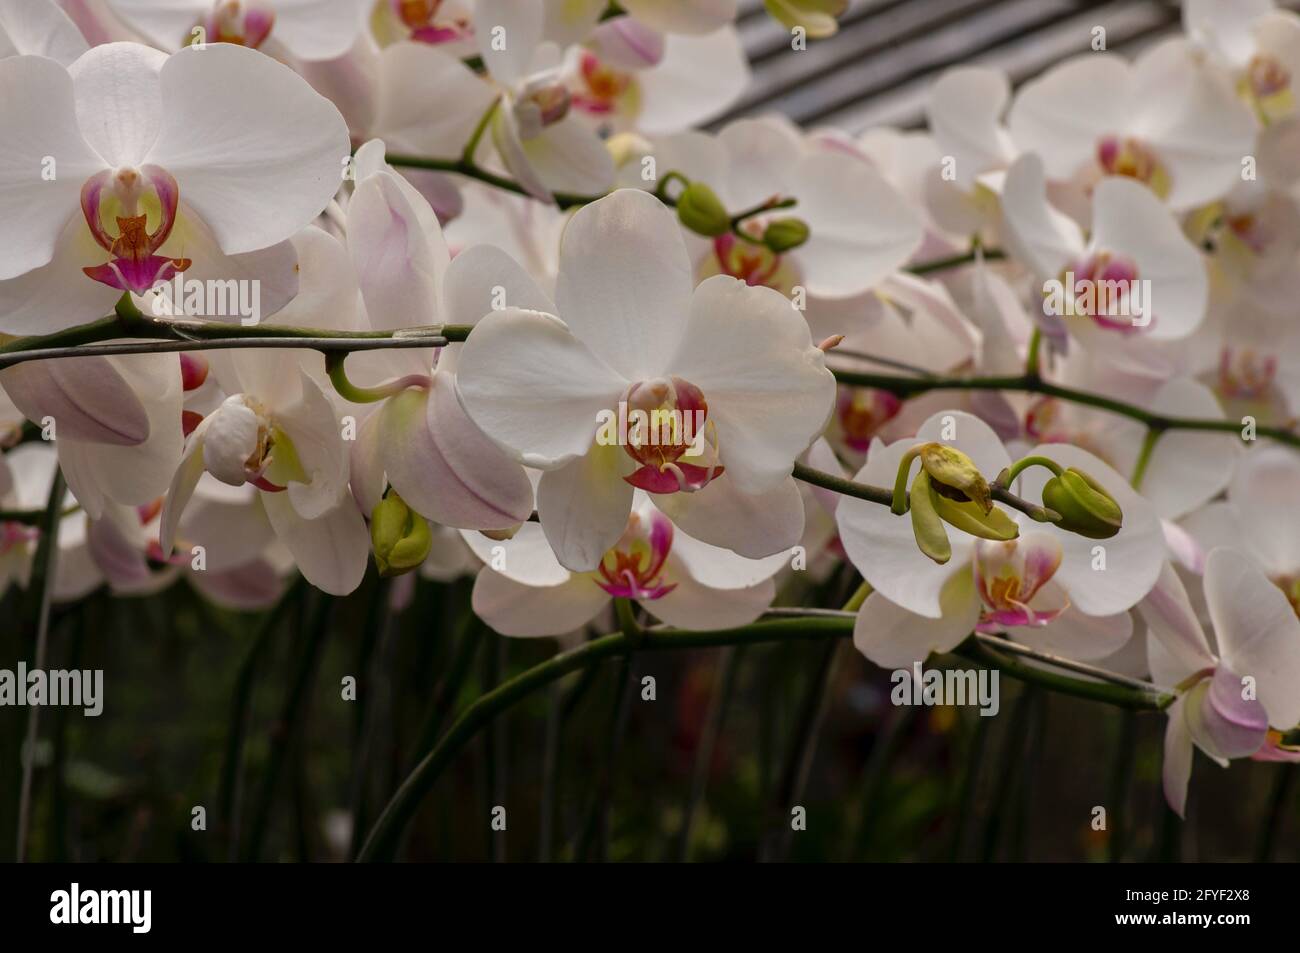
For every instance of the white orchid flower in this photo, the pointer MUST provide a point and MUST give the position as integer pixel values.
(301, 29)
(734, 362)
(1169, 120)
(1227, 700)
(1044, 588)
(154, 164)
(523, 590)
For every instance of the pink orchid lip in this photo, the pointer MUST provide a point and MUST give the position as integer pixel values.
(1245, 375)
(133, 265)
(862, 411)
(418, 16)
(602, 86)
(1008, 575)
(753, 264)
(659, 445)
(242, 22)
(15, 534)
(1102, 270)
(633, 568)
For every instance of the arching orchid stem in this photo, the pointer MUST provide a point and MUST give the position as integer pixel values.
(906, 387)
(467, 156)
(661, 190)
(368, 395)
(1008, 476)
(385, 836)
(1149, 442)
(471, 170)
(898, 504)
(956, 261)
(885, 497)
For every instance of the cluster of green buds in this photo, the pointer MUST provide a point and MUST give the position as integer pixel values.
(701, 211)
(947, 489)
(1075, 501)
(400, 537)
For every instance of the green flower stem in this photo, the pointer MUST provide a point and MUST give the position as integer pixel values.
(40, 597)
(385, 836)
(467, 155)
(1008, 476)
(906, 387)
(367, 395)
(1144, 456)
(1032, 358)
(898, 503)
(470, 170)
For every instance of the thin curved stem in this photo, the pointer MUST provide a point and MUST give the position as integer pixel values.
(913, 386)
(384, 837)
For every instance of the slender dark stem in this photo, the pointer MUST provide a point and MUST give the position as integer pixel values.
(1120, 778)
(883, 752)
(1278, 804)
(231, 789)
(41, 591)
(289, 722)
(912, 386)
(723, 682)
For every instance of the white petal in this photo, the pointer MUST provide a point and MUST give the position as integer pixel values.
(39, 29)
(584, 506)
(767, 387)
(755, 526)
(1061, 114)
(444, 467)
(1033, 231)
(472, 281)
(1258, 632)
(330, 550)
(693, 605)
(512, 608)
(698, 78)
(1177, 768)
(1173, 625)
(525, 557)
(861, 228)
(892, 637)
(119, 100)
(717, 568)
(37, 115)
(87, 397)
(965, 113)
(256, 151)
(508, 34)
(1129, 220)
(625, 282)
(412, 75)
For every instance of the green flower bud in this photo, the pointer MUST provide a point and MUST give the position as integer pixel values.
(968, 517)
(400, 537)
(1085, 507)
(785, 234)
(927, 525)
(955, 476)
(700, 210)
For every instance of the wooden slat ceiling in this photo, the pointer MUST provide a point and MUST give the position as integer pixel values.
(878, 69)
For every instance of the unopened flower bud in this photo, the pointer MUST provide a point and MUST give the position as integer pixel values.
(785, 234)
(700, 210)
(955, 475)
(1085, 507)
(401, 537)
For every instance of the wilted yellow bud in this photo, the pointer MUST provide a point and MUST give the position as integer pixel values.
(955, 475)
(967, 516)
(400, 537)
(927, 525)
